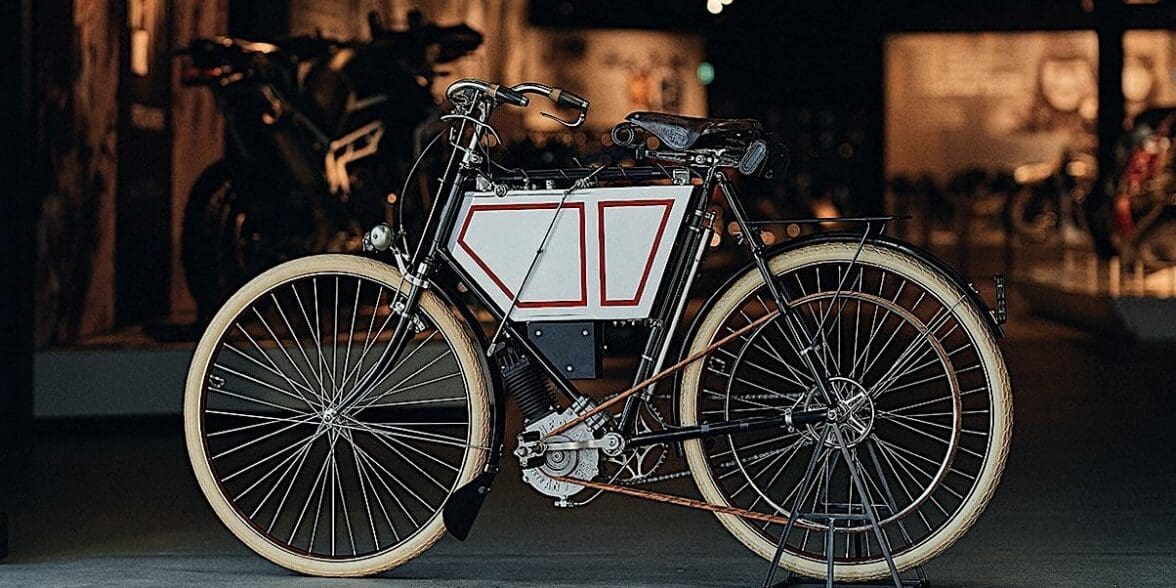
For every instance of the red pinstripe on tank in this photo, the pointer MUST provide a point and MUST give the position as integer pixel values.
(578, 206)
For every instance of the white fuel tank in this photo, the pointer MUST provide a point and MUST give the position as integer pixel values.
(604, 260)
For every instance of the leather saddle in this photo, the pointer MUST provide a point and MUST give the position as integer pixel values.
(683, 132)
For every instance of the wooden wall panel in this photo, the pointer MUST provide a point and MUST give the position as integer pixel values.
(96, 91)
(340, 19)
(78, 61)
(198, 131)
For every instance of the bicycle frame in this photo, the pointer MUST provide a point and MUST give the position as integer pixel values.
(685, 257)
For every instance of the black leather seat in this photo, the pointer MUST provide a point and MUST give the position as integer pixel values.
(683, 132)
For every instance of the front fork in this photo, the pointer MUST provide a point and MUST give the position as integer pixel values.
(418, 271)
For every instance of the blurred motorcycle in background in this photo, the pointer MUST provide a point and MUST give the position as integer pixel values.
(320, 136)
(1045, 197)
(1037, 203)
(1144, 204)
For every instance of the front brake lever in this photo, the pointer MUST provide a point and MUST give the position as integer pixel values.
(567, 123)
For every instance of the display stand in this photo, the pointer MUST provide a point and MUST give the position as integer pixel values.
(862, 511)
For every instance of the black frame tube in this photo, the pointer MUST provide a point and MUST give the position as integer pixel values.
(787, 420)
(642, 173)
(673, 286)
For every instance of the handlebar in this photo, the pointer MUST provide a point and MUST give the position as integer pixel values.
(567, 99)
(517, 96)
(499, 93)
(562, 98)
(508, 95)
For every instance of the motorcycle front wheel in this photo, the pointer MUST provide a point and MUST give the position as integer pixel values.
(316, 445)
(208, 244)
(226, 241)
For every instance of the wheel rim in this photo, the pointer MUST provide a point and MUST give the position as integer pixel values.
(318, 441)
(921, 440)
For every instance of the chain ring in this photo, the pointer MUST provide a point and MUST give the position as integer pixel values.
(639, 463)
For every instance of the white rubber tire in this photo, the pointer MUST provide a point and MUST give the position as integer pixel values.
(474, 371)
(995, 371)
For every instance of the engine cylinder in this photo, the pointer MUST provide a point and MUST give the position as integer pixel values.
(527, 383)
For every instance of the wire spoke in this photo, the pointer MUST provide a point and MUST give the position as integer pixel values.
(271, 368)
(358, 396)
(232, 394)
(264, 384)
(310, 439)
(293, 335)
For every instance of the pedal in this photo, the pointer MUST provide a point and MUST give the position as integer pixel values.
(1001, 314)
(529, 451)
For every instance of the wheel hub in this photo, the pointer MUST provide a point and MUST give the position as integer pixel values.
(852, 413)
(332, 419)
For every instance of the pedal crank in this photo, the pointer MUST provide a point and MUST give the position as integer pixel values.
(611, 444)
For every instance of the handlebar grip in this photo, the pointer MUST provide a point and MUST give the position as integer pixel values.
(568, 100)
(508, 95)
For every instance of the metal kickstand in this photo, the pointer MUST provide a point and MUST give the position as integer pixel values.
(867, 513)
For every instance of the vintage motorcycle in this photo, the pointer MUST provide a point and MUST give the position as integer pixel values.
(343, 412)
(320, 133)
(1044, 197)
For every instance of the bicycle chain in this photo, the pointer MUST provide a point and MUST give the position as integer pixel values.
(684, 473)
(679, 501)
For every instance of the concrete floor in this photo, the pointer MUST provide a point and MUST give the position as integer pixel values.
(1086, 502)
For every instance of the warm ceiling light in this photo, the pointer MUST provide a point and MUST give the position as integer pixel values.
(714, 6)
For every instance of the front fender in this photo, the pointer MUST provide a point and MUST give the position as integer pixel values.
(463, 505)
(838, 237)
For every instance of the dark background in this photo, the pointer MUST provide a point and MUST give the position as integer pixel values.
(782, 62)
(17, 249)
(769, 57)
